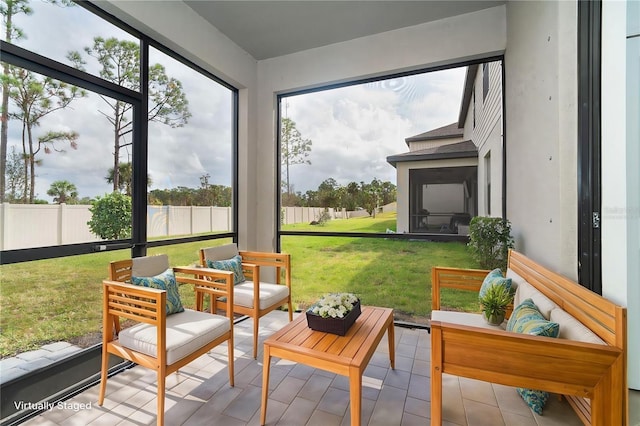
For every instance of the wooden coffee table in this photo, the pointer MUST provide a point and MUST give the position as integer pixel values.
(346, 355)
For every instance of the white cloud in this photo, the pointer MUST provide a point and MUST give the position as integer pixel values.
(353, 129)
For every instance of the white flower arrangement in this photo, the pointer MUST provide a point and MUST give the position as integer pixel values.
(334, 305)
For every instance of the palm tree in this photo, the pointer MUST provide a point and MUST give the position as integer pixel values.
(63, 191)
(125, 178)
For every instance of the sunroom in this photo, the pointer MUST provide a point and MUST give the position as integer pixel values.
(570, 175)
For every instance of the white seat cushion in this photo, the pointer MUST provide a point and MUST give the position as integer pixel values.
(269, 294)
(464, 318)
(186, 332)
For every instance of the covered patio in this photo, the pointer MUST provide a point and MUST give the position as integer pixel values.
(300, 395)
(543, 140)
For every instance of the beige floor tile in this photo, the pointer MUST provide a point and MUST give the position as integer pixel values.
(389, 407)
(397, 379)
(417, 407)
(315, 387)
(509, 401)
(334, 401)
(367, 410)
(40, 421)
(412, 420)
(245, 405)
(420, 387)
(513, 419)
(422, 368)
(476, 390)
(480, 414)
(557, 413)
(634, 408)
(200, 393)
(287, 390)
(299, 409)
(323, 418)
(452, 404)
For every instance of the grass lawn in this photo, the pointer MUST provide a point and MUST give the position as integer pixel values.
(382, 272)
(60, 299)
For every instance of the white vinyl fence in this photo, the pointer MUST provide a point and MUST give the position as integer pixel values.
(291, 215)
(42, 225)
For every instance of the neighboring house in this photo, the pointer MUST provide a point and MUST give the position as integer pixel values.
(454, 172)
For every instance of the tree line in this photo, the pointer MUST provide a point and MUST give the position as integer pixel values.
(368, 196)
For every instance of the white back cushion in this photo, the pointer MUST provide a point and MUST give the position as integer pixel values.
(527, 291)
(223, 252)
(572, 329)
(149, 266)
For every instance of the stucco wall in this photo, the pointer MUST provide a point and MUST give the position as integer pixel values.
(541, 122)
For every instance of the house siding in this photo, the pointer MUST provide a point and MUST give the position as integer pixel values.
(487, 136)
(417, 146)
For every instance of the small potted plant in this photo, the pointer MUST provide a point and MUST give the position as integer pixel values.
(494, 303)
(334, 313)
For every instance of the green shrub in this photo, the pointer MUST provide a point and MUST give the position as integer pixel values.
(489, 241)
(111, 216)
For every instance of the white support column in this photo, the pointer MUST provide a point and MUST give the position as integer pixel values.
(620, 178)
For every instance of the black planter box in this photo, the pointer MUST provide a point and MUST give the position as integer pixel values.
(338, 326)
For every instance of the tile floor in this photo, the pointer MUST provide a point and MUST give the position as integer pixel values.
(200, 394)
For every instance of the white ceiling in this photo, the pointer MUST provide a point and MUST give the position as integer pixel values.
(268, 29)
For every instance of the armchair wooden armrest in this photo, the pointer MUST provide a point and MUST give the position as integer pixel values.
(208, 281)
(458, 278)
(280, 261)
(137, 303)
(251, 272)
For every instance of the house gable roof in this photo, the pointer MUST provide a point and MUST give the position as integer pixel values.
(444, 132)
(465, 149)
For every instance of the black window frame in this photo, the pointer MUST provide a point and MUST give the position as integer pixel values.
(402, 236)
(589, 145)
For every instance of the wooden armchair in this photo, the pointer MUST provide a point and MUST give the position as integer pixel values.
(160, 341)
(269, 295)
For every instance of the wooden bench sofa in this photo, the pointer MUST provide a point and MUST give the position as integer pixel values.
(587, 365)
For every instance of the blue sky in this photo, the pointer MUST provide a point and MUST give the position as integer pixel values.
(353, 129)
